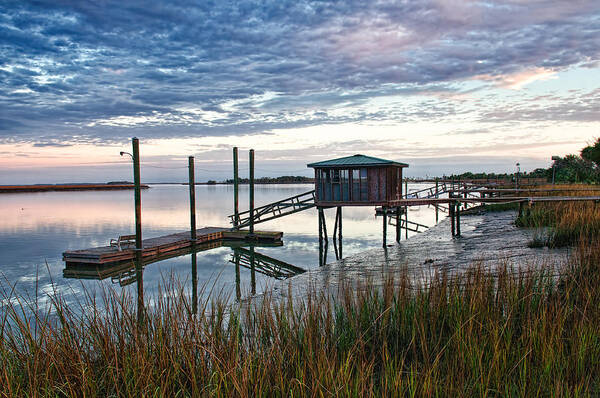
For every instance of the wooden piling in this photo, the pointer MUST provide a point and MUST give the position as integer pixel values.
(406, 222)
(451, 212)
(252, 271)
(521, 205)
(194, 282)
(139, 272)
(457, 218)
(236, 192)
(238, 290)
(320, 217)
(340, 230)
(251, 191)
(398, 218)
(192, 184)
(384, 227)
(193, 236)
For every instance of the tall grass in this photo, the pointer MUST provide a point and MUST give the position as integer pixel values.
(568, 223)
(526, 334)
(476, 334)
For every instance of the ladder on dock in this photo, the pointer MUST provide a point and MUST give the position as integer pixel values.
(271, 211)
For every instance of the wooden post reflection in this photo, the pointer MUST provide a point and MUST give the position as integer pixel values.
(238, 290)
(252, 271)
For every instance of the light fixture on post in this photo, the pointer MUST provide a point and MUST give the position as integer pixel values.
(554, 159)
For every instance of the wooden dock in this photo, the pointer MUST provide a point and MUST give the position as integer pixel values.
(160, 246)
(123, 272)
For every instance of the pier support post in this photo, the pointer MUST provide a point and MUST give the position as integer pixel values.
(521, 204)
(340, 230)
(238, 290)
(337, 233)
(437, 195)
(236, 192)
(252, 271)
(451, 212)
(384, 227)
(194, 281)
(457, 218)
(398, 219)
(251, 192)
(406, 222)
(192, 183)
(139, 272)
(193, 237)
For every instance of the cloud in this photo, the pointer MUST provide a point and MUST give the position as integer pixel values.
(105, 71)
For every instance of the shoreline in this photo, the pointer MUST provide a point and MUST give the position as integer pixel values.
(490, 239)
(66, 187)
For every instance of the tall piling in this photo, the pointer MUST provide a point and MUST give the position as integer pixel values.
(139, 272)
(251, 191)
(193, 237)
(192, 184)
(236, 192)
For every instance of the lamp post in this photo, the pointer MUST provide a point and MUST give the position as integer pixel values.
(554, 158)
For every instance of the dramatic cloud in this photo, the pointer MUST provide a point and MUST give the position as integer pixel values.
(79, 71)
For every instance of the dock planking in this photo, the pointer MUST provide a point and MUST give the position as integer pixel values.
(159, 246)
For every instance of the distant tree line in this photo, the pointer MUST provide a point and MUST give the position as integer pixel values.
(275, 180)
(582, 168)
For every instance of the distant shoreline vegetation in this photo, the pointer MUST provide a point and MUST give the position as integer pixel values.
(272, 180)
(113, 185)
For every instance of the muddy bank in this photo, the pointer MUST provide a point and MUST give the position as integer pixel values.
(490, 239)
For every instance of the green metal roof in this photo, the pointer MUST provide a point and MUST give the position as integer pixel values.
(356, 160)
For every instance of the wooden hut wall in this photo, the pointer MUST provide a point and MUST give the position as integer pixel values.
(366, 184)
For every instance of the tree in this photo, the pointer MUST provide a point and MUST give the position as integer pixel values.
(592, 152)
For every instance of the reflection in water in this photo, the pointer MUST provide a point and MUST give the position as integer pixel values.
(126, 273)
(37, 228)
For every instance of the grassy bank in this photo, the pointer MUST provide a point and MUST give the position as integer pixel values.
(527, 334)
(564, 224)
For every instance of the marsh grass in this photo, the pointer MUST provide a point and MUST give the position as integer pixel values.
(477, 334)
(568, 223)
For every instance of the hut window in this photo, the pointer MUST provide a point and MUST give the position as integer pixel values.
(344, 177)
(335, 181)
(327, 186)
(364, 186)
(356, 185)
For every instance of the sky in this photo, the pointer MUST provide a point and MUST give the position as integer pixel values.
(444, 85)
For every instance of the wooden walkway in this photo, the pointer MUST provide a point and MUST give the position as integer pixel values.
(498, 199)
(160, 246)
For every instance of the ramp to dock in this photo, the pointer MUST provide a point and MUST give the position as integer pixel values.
(159, 246)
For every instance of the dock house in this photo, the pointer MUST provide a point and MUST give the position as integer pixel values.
(357, 180)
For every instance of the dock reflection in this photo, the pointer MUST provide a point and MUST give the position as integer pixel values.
(243, 255)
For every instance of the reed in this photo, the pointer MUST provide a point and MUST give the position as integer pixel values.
(474, 334)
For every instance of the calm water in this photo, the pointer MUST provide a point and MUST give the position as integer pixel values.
(37, 228)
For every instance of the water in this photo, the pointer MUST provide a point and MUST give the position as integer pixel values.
(37, 228)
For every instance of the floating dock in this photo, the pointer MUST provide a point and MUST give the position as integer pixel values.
(160, 246)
